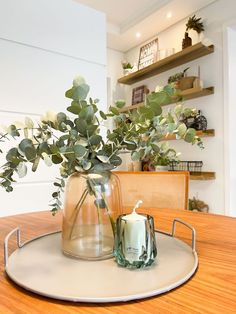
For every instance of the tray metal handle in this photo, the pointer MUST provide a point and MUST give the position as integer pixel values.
(176, 220)
(6, 253)
(172, 234)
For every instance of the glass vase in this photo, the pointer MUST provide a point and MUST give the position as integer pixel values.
(92, 205)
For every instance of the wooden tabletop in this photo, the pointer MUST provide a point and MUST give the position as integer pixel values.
(211, 290)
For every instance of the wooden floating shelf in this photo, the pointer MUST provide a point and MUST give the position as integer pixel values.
(188, 54)
(205, 133)
(187, 94)
(202, 176)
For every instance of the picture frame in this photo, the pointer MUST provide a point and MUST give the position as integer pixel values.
(148, 54)
(138, 94)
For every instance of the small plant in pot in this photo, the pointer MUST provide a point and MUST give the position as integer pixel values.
(127, 67)
(163, 157)
(181, 81)
(72, 140)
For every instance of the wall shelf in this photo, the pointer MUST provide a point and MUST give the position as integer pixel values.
(188, 54)
(205, 133)
(202, 176)
(187, 94)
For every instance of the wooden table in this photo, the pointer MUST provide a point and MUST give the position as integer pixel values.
(211, 290)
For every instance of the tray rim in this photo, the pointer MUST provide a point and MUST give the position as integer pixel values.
(125, 298)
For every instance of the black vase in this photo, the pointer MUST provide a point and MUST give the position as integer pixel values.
(187, 41)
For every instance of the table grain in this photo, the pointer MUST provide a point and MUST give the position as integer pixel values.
(211, 290)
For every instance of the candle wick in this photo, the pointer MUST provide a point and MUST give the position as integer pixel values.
(137, 206)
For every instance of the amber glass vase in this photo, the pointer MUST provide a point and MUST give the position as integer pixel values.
(92, 205)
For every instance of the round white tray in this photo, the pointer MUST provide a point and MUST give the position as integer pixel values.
(39, 266)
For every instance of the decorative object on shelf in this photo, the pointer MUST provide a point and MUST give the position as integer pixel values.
(183, 82)
(164, 53)
(198, 83)
(138, 94)
(165, 156)
(198, 122)
(135, 244)
(187, 41)
(135, 166)
(147, 165)
(148, 54)
(73, 142)
(195, 24)
(177, 77)
(191, 166)
(127, 67)
(197, 205)
(92, 205)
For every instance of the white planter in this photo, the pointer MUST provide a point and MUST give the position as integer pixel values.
(127, 71)
(161, 168)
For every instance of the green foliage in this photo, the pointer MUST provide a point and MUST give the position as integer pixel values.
(72, 139)
(177, 76)
(195, 23)
(126, 65)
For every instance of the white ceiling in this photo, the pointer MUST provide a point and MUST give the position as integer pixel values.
(149, 17)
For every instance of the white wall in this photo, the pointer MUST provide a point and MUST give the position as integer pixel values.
(230, 113)
(43, 46)
(214, 16)
(114, 71)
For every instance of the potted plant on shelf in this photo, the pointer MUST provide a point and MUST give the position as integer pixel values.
(73, 141)
(127, 67)
(197, 205)
(195, 24)
(163, 156)
(181, 80)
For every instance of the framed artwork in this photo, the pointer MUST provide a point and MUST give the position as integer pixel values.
(138, 94)
(148, 54)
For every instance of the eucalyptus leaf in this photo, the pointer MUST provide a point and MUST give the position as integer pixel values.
(80, 92)
(135, 156)
(190, 135)
(12, 154)
(47, 159)
(74, 109)
(182, 129)
(95, 139)
(57, 159)
(103, 159)
(61, 116)
(21, 170)
(81, 126)
(35, 163)
(103, 115)
(79, 150)
(87, 113)
(30, 153)
(114, 110)
(29, 123)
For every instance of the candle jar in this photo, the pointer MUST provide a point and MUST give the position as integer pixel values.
(135, 243)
